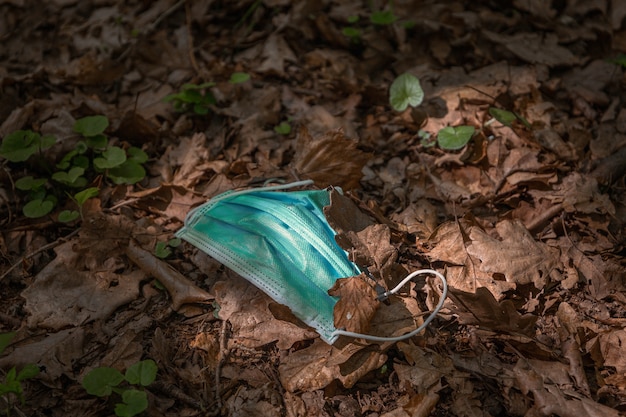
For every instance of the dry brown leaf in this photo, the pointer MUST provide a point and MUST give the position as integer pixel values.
(253, 323)
(332, 159)
(425, 368)
(549, 397)
(319, 364)
(610, 346)
(357, 303)
(481, 308)
(57, 352)
(535, 47)
(464, 274)
(275, 53)
(65, 294)
(517, 256)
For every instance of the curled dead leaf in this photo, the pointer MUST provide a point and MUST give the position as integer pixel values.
(331, 159)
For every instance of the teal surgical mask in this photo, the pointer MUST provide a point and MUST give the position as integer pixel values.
(281, 242)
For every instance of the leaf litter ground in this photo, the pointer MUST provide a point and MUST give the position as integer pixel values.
(526, 222)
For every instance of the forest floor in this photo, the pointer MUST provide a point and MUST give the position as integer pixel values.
(526, 220)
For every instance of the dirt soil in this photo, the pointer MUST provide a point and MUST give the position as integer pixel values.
(526, 220)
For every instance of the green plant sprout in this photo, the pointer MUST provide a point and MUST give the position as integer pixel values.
(239, 77)
(406, 91)
(383, 18)
(619, 60)
(164, 249)
(22, 144)
(506, 117)
(193, 97)
(12, 384)
(92, 156)
(79, 198)
(453, 138)
(104, 381)
(198, 98)
(284, 128)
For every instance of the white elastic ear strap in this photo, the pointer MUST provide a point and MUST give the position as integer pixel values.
(430, 318)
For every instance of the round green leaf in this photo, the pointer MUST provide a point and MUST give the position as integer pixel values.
(284, 128)
(85, 195)
(239, 77)
(161, 250)
(98, 142)
(137, 155)
(111, 158)
(503, 116)
(142, 373)
(100, 381)
(404, 91)
(19, 145)
(70, 177)
(383, 18)
(29, 183)
(134, 402)
(29, 370)
(91, 125)
(67, 216)
(37, 208)
(130, 172)
(452, 138)
(5, 339)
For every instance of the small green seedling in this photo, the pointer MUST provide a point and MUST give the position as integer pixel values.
(453, 138)
(12, 384)
(104, 381)
(619, 60)
(239, 77)
(507, 117)
(284, 128)
(164, 249)
(193, 97)
(90, 157)
(79, 198)
(22, 144)
(405, 91)
(383, 18)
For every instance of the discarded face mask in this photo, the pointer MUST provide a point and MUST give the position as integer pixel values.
(282, 243)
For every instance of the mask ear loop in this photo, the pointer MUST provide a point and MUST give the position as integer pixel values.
(430, 318)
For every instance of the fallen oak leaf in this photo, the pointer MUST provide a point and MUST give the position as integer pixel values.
(518, 256)
(357, 303)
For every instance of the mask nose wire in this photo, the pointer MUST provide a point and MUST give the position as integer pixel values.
(430, 318)
(231, 194)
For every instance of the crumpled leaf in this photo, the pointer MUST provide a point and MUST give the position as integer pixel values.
(332, 159)
(518, 256)
(535, 47)
(463, 272)
(367, 243)
(57, 352)
(357, 303)
(425, 368)
(481, 308)
(319, 364)
(549, 397)
(255, 318)
(65, 294)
